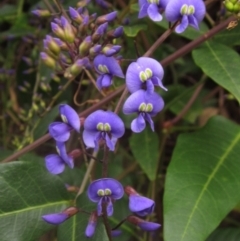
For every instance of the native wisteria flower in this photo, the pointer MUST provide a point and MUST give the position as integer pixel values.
(104, 191)
(144, 225)
(190, 12)
(58, 218)
(145, 105)
(102, 126)
(144, 74)
(60, 131)
(55, 164)
(107, 67)
(152, 8)
(138, 204)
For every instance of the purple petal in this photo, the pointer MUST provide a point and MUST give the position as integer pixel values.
(141, 205)
(55, 218)
(156, 81)
(104, 183)
(150, 86)
(109, 208)
(133, 81)
(111, 63)
(99, 81)
(183, 25)
(54, 164)
(71, 116)
(149, 120)
(90, 230)
(89, 137)
(106, 80)
(138, 124)
(200, 9)
(116, 233)
(193, 22)
(63, 154)
(143, 6)
(153, 12)
(59, 131)
(109, 143)
(99, 207)
(173, 8)
(149, 226)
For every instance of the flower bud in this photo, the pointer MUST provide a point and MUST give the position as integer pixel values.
(92, 223)
(144, 225)
(75, 16)
(58, 31)
(103, 4)
(100, 31)
(69, 35)
(85, 46)
(51, 44)
(49, 61)
(75, 153)
(76, 68)
(95, 50)
(41, 13)
(110, 50)
(106, 18)
(115, 33)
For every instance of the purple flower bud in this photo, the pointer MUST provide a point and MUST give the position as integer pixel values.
(109, 50)
(77, 67)
(58, 218)
(104, 191)
(75, 16)
(41, 13)
(107, 67)
(146, 105)
(27, 60)
(115, 33)
(151, 8)
(69, 35)
(85, 46)
(100, 31)
(49, 61)
(138, 204)
(144, 225)
(92, 223)
(106, 18)
(190, 12)
(93, 51)
(145, 73)
(103, 4)
(57, 30)
(51, 44)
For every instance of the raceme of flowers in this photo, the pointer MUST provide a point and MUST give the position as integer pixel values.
(84, 42)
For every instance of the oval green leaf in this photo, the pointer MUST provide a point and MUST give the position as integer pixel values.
(227, 234)
(220, 63)
(203, 181)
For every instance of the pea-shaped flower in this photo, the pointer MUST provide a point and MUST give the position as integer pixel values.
(145, 105)
(107, 68)
(60, 131)
(102, 126)
(151, 8)
(142, 224)
(56, 163)
(144, 74)
(190, 12)
(104, 191)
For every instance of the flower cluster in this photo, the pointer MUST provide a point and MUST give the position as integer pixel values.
(141, 77)
(187, 12)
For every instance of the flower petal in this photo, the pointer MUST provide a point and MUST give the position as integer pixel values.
(150, 86)
(54, 164)
(55, 218)
(193, 22)
(109, 143)
(99, 206)
(99, 81)
(153, 12)
(149, 120)
(59, 131)
(173, 8)
(133, 81)
(143, 7)
(149, 226)
(109, 208)
(141, 205)
(71, 116)
(183, 25)
(200, 9)
(106, 80)
(89, 138)
(63, 154)
(138, 124)
(90, 230)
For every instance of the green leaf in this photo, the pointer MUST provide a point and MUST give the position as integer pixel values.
(28, 191)
(203, 181)
(227, 234)
(74, 228)
(132, 31)
(220, 63)
(145, 148)
(42, 127)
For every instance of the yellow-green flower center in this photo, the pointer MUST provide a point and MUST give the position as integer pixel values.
(143, 107)
(64, 118)
(58, 151)
(145, 75)
(104, 192)
(187, 9)
(153, 1)
(103, 68)
(103, 127)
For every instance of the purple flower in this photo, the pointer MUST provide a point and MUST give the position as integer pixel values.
(61, 131)
(138, 204)
(56, 163)
(102, 126)
(145, 105)
(106, 18)
(92, 223)
(144, 225)
(104, 191)
(151, 8)
(107, 67)
(57, 218)
(145, 73)
(190, 12)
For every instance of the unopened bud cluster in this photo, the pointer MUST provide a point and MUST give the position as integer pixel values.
(232, 5)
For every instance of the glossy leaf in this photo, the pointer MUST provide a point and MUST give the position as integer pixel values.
(203, 181)
(27, 191)
(220, 63)
(145, 148)
(226, 234)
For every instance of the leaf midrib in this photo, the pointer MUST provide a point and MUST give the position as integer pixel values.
(211, 176)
